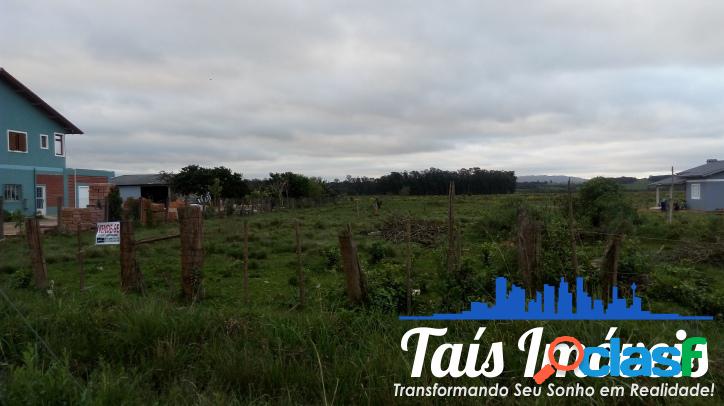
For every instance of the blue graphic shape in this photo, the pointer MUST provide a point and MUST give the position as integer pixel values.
(512, 305)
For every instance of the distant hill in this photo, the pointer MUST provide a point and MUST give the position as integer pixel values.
(552, 179)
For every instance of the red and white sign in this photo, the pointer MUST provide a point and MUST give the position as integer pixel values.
(108, 233)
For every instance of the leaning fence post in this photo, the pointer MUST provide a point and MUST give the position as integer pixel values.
(131, 276)
(192, 252)
(356, 284)
(40, 270)
(300, 268)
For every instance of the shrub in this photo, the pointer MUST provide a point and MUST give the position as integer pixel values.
(21, 280)
(115, 204)
(386, 290)
(496, 222)
(332, 258)
(603, 204)
(686, 286)
(379, 251)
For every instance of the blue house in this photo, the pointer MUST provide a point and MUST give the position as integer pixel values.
(33, 174)
(704, 185)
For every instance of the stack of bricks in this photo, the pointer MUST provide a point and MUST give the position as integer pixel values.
(97, 193)
(173, 207)
(158, 212)
(87, 218)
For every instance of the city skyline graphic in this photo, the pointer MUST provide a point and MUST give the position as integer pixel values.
(512, 305)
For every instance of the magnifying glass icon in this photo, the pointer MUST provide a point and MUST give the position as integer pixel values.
(551, 368)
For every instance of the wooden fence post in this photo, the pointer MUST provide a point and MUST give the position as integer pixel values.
(79, 257)
(300, 267)
(529, 244)
(408, 241)
(131, 276)
(40, 270)
(142, 214)
(572, 231)
(192, 252)
(356, 283)
(245, 283)
(451, 263)
(609, 266)
(2, 220)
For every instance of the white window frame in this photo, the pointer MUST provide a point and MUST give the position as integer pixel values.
(62, 144)
(47, 141)
(27, 146)
(18, 192)
(697, 195)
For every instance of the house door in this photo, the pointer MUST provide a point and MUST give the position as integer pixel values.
(83, 197)
(40, 200)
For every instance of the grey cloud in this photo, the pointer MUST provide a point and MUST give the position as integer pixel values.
(329, 88)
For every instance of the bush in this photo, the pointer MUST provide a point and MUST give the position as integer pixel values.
(115, 205)
(686, 286)
(21, 280)
(602, 202)
(332, 258)
(379, 251)
(386, 290)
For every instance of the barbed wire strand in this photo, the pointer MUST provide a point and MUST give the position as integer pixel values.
(37, 335)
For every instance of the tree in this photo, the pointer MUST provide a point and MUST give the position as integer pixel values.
(194, 179)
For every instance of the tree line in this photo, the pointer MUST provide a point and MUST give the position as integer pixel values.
(431, 181)
(222, 182)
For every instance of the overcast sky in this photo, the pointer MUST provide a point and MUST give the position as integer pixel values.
(363, 88)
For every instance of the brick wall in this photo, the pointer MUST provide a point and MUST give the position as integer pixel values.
(87, 218)
(97, 194)
(53, 188)
(87, 180)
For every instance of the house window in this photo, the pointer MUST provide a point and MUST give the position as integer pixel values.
(13, 193)
(695, 191)
(43, 141)
(59, 145)
(17, 141)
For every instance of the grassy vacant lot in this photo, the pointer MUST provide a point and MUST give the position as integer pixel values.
(115, 348)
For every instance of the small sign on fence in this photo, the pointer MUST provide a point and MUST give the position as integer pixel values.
(108, 233)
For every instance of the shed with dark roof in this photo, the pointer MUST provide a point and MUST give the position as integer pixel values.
(150, 186)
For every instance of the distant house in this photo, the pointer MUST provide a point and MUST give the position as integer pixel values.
(154, 187)
(33, 174)
(704, 185)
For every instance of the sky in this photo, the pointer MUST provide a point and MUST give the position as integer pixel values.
(331, 88)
